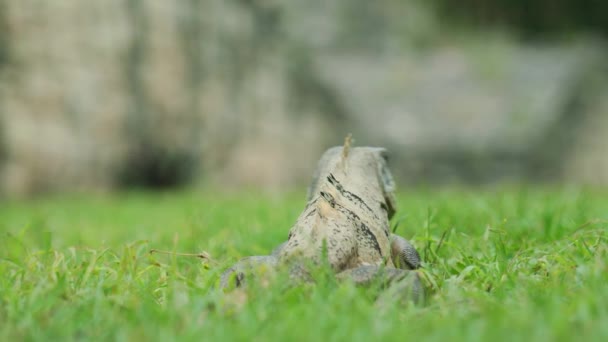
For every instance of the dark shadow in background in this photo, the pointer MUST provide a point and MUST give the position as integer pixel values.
(149, 162)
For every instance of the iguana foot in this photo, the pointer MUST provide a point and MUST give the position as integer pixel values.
(403, 284)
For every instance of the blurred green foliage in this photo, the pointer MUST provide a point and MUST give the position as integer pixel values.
(530, 18)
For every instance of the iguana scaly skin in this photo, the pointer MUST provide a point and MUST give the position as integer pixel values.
(346, 224)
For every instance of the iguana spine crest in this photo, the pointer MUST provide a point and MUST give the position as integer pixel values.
(348, 141)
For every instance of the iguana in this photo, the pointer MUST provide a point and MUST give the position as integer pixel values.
(346, 220)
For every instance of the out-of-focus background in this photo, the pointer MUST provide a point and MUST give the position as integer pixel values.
(103, 95)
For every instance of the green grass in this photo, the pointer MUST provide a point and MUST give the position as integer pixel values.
(504, 264)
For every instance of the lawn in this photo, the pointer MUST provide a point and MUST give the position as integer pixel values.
(511, 263)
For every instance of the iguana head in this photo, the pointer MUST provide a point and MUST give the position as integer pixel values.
(376, 157)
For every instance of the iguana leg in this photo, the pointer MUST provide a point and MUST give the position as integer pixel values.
(365, 275)
(277, 250)
(403, 253)
(404, 284)
(236, 275)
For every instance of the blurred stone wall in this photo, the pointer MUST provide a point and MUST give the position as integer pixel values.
(99, 95)
(62, 95)
(481, 109)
